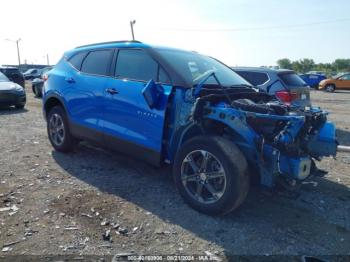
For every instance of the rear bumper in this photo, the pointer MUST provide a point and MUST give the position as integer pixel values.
(12, 98)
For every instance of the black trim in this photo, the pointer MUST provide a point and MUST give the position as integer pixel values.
(131, 149)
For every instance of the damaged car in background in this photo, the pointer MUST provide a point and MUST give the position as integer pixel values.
(218, 132)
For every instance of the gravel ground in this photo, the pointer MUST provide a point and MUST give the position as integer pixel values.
(52, 203)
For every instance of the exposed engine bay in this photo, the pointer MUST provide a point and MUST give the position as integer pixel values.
(278, 140)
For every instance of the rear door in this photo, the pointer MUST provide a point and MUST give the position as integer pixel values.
(128, 122)
(297, 87)
(84, 90)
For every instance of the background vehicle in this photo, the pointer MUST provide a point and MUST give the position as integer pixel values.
(340, 82)
(313, 80)
(317, 73)
(37, 83)
(164, 105)
(32, 73)
(13, 74)
(286, 85)
(11, 94)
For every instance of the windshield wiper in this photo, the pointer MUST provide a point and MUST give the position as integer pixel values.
(205, 79)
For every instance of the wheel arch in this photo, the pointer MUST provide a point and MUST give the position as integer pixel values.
(52, 101)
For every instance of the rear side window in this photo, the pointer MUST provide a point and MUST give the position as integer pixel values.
(292, 80)
(97, 62)
(77, 59)
(137, 65)
(255, 78)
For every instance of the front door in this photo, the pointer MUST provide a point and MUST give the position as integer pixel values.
(343, 82)
(128, 122)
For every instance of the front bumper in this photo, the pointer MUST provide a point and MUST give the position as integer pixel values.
(9, 98)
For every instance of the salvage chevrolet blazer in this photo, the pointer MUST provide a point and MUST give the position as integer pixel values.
(168, 106)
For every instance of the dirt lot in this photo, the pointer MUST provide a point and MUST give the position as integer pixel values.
(63, 204)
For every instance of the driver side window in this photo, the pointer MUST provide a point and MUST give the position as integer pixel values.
(136, 64)
(345, 77)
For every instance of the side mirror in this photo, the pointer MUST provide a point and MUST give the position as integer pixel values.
(152, 93)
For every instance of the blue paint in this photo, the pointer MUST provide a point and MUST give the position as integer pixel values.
(158, 117)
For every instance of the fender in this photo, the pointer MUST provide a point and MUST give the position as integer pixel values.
(46, 98)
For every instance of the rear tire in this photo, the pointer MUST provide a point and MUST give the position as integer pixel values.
(221, 184)
(330, 88)
(58, 130)
(35, 90)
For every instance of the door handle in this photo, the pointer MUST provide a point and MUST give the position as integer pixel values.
(112, 91)
(70, 80)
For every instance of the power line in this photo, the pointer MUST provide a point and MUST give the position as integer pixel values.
(254, 28)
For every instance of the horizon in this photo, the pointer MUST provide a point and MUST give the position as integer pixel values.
(237, 33)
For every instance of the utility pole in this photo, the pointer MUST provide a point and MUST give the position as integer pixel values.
(132, 28)
(18, 56)
(47, 59)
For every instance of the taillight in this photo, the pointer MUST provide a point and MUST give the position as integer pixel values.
(286, 97)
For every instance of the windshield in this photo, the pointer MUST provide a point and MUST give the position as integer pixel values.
(195, 67)
(3, 78)
(292, 80)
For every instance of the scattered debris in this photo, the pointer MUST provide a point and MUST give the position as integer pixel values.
(11, 243)
(86, 215)
(123, 230)
(3, 209)
(6, 249)
(71, 228)
(107, 236)
(115, 225)
(104, 222)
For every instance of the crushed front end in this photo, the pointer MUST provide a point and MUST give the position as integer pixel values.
(279, 142)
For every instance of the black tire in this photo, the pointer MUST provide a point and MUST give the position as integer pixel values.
(35, 91)
(68, 142)
(235, 168)
(20, 106)
(330, 88)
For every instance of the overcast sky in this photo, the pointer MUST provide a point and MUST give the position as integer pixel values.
(264, 31)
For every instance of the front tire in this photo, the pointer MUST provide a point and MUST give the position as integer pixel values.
(211, 174)
(330, 88)
(58, 130)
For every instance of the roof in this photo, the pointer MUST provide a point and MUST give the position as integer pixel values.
(261, 69)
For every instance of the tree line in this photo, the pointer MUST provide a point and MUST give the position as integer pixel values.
(306, 64)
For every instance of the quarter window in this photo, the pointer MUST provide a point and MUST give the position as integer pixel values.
(97, 62)
(254, 78)
(137, 65)
(77, 59)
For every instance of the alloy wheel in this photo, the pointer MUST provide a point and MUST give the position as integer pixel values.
(203, 176)
(56, 129)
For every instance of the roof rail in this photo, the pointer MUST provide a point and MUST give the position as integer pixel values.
(111, 42)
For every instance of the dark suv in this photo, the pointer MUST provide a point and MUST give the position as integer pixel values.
(169, 106)
(13, 74)
(285, 84)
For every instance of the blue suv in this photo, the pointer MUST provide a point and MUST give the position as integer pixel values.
(168, 106)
